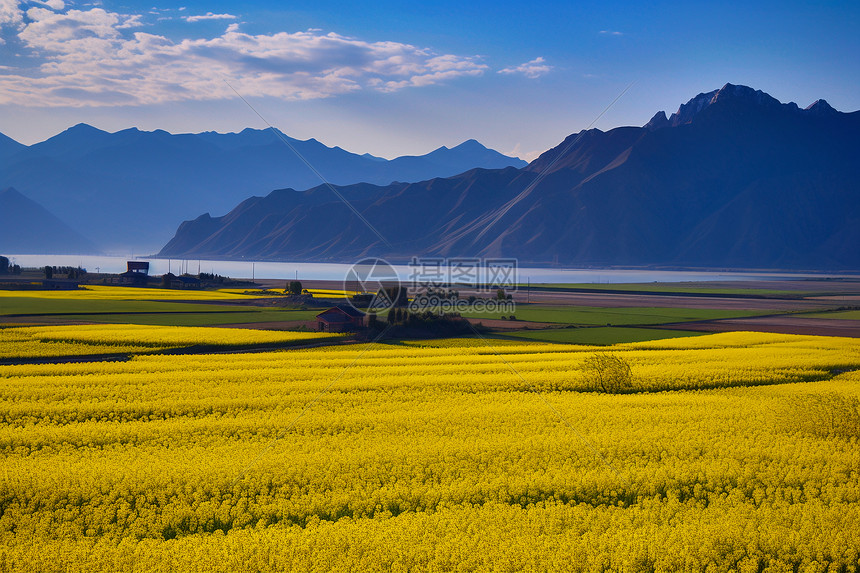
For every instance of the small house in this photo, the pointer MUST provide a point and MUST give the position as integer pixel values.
(340, 318)
(136, 275)
(185, 282)
(138, 267)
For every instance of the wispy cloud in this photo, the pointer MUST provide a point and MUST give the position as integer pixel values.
(611, 33)
(518, 151)
(94, 58)
(533, 69)
(10, 13)
(53, 4)
(131, 22)
(210, 16)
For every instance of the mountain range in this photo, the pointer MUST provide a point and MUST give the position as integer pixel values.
(733, 179)
(28, 227)
(129, 189)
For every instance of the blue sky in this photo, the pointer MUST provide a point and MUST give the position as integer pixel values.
(391, 78)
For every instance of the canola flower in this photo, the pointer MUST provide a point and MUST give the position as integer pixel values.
(436, 456)
(326, 293)
(108, 293)
(82, 340)
(332, 293)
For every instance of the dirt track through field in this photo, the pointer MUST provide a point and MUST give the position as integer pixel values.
(672, 301)
(777, 324)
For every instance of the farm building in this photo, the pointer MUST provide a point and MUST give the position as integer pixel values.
(340, 318)
(136, 275)
(185, 282)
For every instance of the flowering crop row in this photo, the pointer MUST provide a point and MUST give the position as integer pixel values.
(83, 340)
(107, 293)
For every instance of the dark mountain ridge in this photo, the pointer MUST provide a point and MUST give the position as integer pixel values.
(129, 188)
(733, 179)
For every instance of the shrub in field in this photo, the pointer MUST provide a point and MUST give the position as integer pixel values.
(608, 373)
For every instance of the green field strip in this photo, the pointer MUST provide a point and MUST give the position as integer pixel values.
(593, 316)
(600, 335)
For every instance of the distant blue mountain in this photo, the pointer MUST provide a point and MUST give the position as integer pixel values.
(29, 228)
(129, 189)
(9, 147)
(733, 179)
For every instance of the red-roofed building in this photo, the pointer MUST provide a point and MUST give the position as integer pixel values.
(340, 319)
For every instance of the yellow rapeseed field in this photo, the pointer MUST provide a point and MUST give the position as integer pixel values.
(107, 293)
(83, 340)
(729, 452)
(330, 293)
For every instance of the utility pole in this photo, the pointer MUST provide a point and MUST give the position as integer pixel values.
(529, 291)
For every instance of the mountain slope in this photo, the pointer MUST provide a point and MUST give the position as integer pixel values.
(8, 148)
(130, 188)
(29, 228)
(733, 179)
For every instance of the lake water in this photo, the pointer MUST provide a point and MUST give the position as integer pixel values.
(335, 271)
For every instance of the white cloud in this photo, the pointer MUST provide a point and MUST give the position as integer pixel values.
(10, 13)
(210, 16)
(132, 22)
(60, 33)
(612, 33)
(91, 58)
(53, 4)
(533, 69)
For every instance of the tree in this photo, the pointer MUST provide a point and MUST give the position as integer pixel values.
(608, 373)
(500, 294)
(294, 287)
(395, 294)
(49, 272)
(4, 265)
(167, 279)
